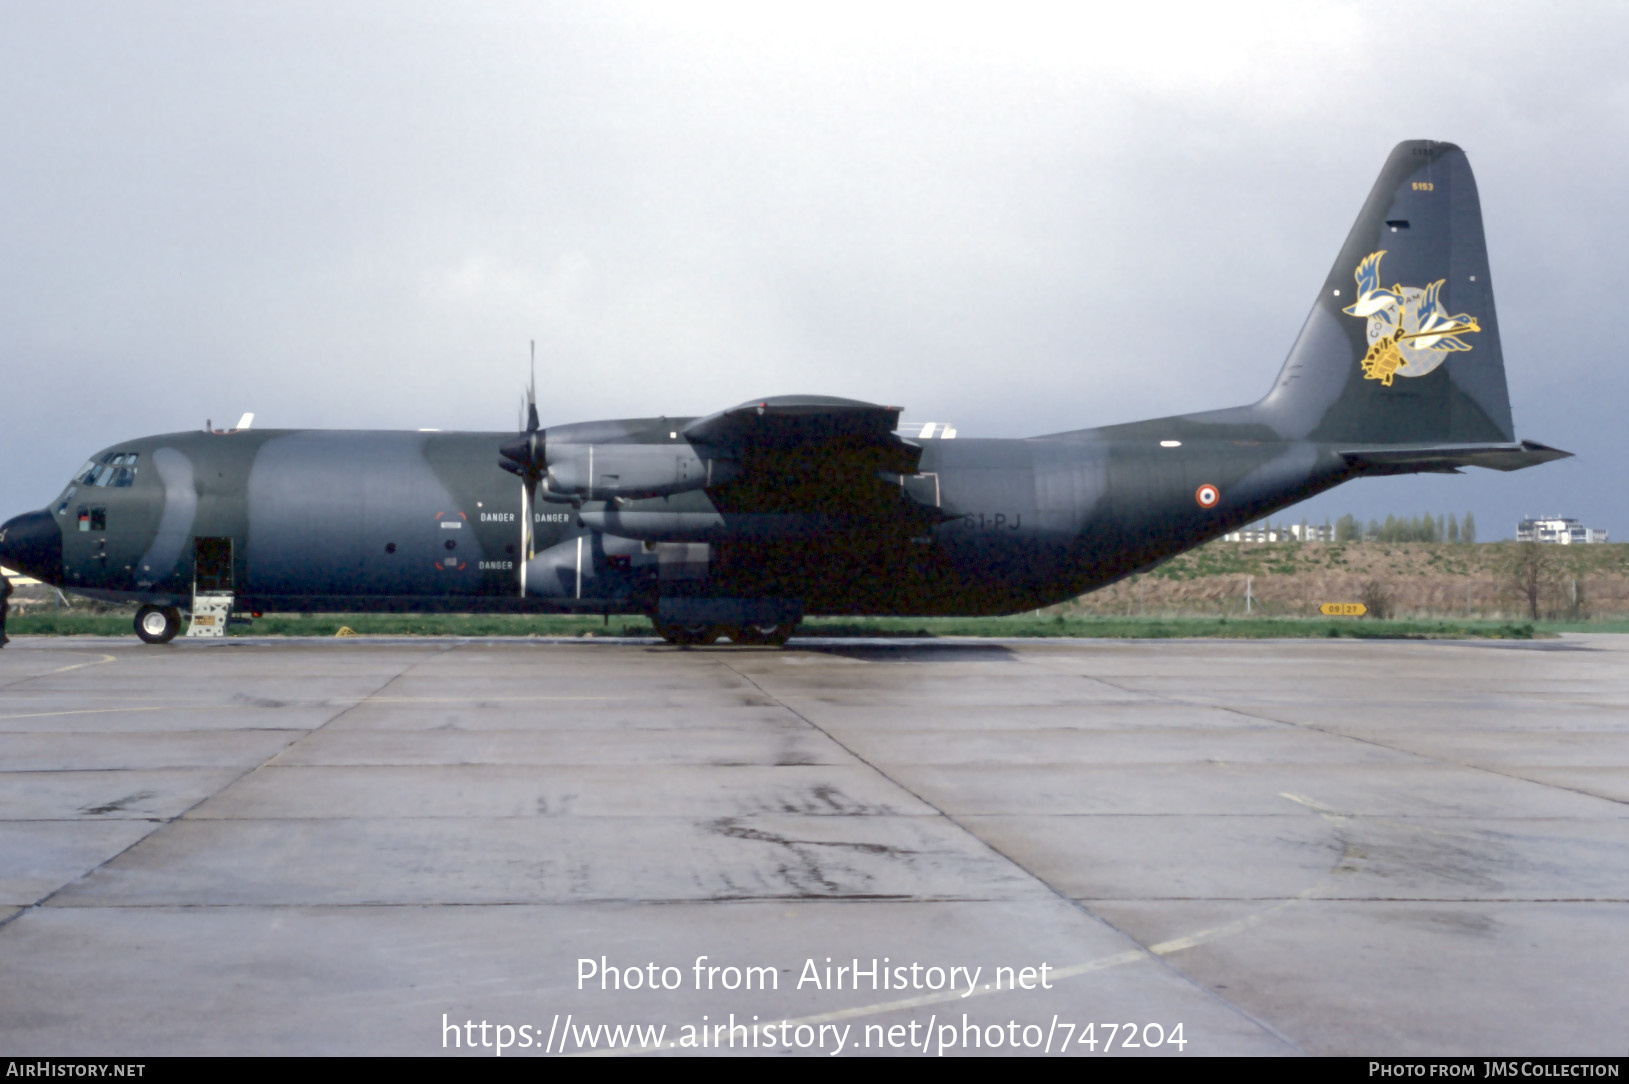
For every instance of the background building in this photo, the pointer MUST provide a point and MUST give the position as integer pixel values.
(1559, 530)
(1294, 532)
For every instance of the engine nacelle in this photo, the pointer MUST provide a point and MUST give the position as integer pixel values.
(602, 472)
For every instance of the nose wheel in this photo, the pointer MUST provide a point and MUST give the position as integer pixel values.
(158, 626)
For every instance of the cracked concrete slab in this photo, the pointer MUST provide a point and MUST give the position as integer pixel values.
(281, 846)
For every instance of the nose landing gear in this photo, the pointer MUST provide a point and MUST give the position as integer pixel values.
(158, 626)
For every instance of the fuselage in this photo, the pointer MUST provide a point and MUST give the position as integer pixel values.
(320, 520)
(747, 519)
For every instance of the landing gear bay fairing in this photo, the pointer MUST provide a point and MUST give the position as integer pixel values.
(740, 523)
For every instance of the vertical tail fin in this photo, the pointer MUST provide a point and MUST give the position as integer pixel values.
(1402, 346)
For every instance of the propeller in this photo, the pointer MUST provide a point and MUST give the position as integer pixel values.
(527, 457)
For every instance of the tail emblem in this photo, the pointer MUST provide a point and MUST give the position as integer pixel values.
(1410, 333)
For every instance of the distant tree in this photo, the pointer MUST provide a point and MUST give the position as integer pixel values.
(1441, 532)
(1530, 572)
(1376, 599)
(1390, 531)
(1577, 606)
(1347, 529)
(1373, 533)
(1467, 533)
(1453, 529)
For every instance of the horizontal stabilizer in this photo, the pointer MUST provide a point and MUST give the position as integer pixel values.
(1447, 458)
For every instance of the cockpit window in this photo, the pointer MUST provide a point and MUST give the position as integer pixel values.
(114, 469)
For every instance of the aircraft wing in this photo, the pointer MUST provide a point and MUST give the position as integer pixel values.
(815, 427)
(808, 453)
(777, 470)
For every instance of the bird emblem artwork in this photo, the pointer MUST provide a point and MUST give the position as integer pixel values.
(1410, 332)
(1372, 298)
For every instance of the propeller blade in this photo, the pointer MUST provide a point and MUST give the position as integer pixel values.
(526, 456)
(531, 394)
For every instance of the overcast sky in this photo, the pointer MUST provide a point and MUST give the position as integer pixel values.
(1018, 218)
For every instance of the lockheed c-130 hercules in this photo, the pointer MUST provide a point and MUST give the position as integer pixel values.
(739, 523)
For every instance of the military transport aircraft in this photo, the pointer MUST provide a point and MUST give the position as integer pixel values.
(739, 523)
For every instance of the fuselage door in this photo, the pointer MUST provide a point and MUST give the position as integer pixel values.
(212, 565)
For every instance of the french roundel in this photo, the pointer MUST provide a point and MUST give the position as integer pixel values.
(1207, 495)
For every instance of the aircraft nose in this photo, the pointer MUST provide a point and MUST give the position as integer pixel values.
(32, 543)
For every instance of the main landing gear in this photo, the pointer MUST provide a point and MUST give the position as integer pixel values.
(158, 626)
(753, 635)
(773, 635)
